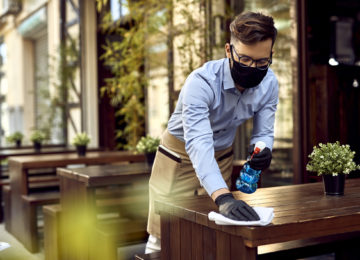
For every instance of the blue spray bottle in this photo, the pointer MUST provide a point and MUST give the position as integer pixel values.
(248, 177)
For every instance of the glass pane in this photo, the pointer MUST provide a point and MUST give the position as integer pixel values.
(280, 171)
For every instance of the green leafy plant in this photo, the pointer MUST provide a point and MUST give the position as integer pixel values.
(81, 139)
(148, 26)
(13, 138)
(332, 158)
(147, 144)
(38, 136)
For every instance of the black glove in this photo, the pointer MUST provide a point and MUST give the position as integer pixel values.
(260, 161)
(235, 209)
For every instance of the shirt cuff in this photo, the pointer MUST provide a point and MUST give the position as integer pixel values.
(213, 182)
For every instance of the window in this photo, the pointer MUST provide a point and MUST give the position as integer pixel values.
(280, 171)
(118, 9)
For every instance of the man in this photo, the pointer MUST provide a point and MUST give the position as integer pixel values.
(214, 101)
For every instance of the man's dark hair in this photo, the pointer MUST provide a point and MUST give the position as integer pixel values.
(250, 27)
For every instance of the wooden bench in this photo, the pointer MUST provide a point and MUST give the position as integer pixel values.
(6, 193)
(110, 235)
(3, 182)
(52, 231)
(30, 175)
(30, 204)
(128, 204)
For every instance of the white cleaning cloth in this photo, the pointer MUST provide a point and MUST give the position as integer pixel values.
(266, 216)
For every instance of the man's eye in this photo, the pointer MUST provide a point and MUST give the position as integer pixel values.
(245, 60)
(262, 62)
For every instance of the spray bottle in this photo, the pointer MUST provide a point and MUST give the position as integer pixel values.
(248, 177)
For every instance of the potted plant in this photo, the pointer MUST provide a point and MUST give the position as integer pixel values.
(333, 161)
(148, 145)
(15, 138)
(80, 141)
(37, 137)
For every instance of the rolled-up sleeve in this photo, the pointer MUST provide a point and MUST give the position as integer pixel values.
(198, 135)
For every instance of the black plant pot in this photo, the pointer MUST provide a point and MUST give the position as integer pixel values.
(37, 147)
(81, 150)
(149, 157)
(18, 143)
(334, 185)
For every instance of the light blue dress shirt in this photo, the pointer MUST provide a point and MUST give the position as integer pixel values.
(209, 110)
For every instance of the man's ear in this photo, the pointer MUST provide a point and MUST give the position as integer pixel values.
(227, 50)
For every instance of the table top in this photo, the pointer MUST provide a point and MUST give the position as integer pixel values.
(301, 211)
(64, 159)
(101, 175)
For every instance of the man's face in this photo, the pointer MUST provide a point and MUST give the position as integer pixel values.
(257, 51)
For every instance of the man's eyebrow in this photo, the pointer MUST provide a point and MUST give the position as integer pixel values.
(244, 55)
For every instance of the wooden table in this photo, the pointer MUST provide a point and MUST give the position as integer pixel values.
(301, 212)
(6, 152)
(19, 168)
(82, 193)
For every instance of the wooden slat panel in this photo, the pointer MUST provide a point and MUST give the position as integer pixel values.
(209, 243)
(222, 245)
(197, 250)
(175, 235)
(185, 239)
(165, 236)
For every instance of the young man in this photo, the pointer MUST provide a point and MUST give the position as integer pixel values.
(214, 101)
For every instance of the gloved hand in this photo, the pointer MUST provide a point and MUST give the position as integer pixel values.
(235, 209)
(260, 161)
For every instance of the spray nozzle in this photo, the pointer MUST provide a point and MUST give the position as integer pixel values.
(259, 146)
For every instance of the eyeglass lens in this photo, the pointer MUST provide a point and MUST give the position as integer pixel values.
(248, 61)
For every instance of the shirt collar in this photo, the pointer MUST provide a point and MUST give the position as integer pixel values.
(228, 82)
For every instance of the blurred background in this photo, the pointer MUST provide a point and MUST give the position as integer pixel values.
(114, 69)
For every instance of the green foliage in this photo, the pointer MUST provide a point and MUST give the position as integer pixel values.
(147, 144)
(126, 59)
(17, 136)
(332, 158)
(81, 139)
(131, 57)
(38, 136)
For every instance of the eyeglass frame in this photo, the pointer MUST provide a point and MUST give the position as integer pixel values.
(252, 60)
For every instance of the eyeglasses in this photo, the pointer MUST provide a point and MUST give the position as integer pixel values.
(246, 61)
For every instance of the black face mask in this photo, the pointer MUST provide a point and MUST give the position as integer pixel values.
(246, 77)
